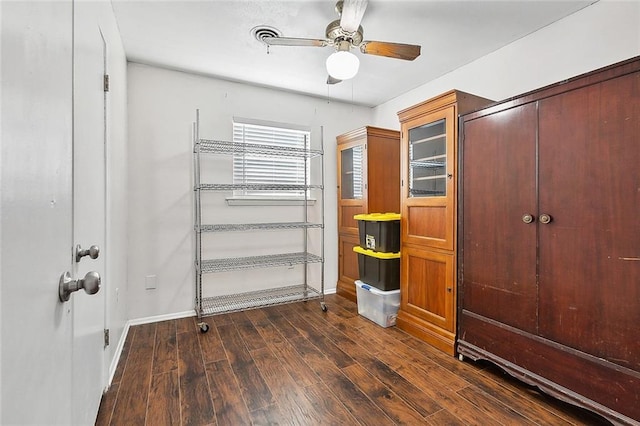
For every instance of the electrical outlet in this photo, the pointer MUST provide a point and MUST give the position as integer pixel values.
(150, 282)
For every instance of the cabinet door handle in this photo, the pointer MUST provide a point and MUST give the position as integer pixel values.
(545, 218)
(527, 218)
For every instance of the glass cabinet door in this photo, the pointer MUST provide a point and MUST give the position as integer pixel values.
(351, 173)
(428, 160)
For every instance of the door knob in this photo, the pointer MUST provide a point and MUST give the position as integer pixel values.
(90, 283)
(545, 218)
(527, 218)
(93, 252)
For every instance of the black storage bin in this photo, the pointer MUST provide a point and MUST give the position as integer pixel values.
(380, 270)
(379, 231)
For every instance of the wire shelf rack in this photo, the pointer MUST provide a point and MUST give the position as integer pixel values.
(206, 146)
(205, 306)
(250, 262)
(257, 299)
(229, 227)
(254, 187)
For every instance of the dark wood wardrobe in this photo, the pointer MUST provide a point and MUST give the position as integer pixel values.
(549, 238)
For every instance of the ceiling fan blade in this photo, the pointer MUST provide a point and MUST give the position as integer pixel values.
(293, 41)
(392, 50)
(352, 13)
(331, 80)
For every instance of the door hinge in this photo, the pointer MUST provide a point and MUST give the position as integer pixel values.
(106, 337)
(106, 82)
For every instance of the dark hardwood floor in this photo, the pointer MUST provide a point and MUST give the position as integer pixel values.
(296, 365)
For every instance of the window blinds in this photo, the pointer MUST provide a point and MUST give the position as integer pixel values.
(255, 169)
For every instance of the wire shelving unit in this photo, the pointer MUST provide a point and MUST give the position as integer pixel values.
(207, 306)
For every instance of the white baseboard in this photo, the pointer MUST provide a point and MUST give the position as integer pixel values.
(165, 317)
(125, 333)
(118, 353)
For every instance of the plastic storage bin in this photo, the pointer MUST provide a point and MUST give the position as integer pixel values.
(380, 270)
(379, 306)
(379, 231)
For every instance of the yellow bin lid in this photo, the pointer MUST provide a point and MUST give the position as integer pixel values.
(378, 217)
(377, 254)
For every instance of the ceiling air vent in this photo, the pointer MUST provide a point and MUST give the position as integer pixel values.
(261, 32)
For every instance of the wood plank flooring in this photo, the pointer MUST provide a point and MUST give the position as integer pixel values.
(296, 365)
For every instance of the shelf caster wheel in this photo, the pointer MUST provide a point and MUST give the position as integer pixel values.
(323, 306)
(204, 327)
(461, 357)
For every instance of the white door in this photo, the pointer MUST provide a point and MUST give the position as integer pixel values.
(89, 207)
(36, 211)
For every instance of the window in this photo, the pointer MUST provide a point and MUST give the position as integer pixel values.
(264, 170)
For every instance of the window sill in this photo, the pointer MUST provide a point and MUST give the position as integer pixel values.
(268, 201)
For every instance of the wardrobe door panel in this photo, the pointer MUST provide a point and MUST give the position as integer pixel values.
(590, 250)
(348, 271)
(433, 301)
(352, 189)
(428, 197)
(499, 186)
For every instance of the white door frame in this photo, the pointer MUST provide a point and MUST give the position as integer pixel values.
(89, 376)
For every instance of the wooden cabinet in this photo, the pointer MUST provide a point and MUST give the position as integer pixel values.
(348, 271)
(428, 223)
(368, 182)
(550, 239)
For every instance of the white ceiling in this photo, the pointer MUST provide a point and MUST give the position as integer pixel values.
(214, 38)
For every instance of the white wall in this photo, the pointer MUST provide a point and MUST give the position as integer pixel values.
(162, 106)
(599, 35)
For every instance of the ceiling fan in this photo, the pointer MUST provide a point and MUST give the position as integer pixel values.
(346, 33)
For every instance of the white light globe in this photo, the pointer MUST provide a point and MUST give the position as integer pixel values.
(343, 65)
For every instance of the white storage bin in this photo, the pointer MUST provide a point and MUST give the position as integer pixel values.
(379, 306)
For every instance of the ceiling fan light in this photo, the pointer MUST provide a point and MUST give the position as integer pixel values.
(343, 65)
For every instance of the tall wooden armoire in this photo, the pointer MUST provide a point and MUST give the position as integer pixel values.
(428, 224)
(368, 182)
(550, 239)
